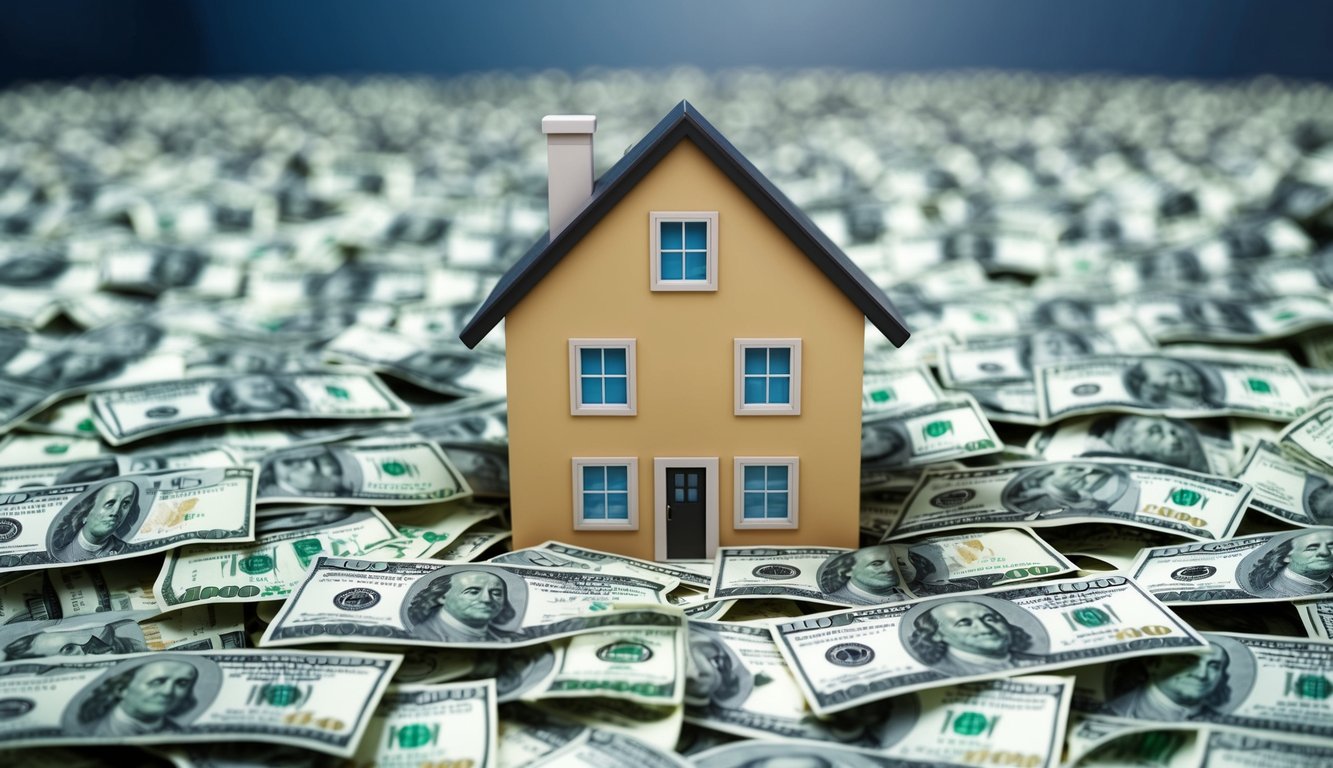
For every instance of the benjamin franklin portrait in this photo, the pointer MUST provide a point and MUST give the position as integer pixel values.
(963, 637)
(466, 605)
(98, 523)
(146, 695)
(1066, 488)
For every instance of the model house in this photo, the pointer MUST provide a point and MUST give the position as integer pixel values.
(684, 353)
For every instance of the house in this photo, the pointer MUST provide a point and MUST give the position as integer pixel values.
(684, 355)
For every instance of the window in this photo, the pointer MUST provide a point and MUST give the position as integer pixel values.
(606, 494)
(684, 250)
(766, 492)
(768, 377)
(601, 377)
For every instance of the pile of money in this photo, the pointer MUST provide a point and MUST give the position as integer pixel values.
(246, 462)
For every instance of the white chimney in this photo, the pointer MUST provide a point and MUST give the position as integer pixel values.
(569, 166)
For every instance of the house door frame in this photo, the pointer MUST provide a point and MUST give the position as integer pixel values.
(711, 495)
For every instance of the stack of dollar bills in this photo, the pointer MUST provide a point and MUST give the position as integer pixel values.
(253, 490)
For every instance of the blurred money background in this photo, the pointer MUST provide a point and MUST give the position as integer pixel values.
(248, 467)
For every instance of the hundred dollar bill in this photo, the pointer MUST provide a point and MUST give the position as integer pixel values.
(975, 560)
(1311, 436)
(172, 697)
(198, 628)
(36, 379)
(829, 575)
(1226, 749)
(64, 592)
(1190, 317)
(848, 658)
(286, 544)
(596, 746)
(158, 269)
(1011, 402)
(1188, 504)
(1112, 743)
(532, 729)
(530, 736)
(882, 503)
(425, 530)
(944, 431)
(1261, 682)
(1191, 445)
(641, 664)
(14, 478)
(420, 602)
(17, 449)
(471, 545)
(1273, 566)
(897, 389)
(133, 413)
(121, 632)
(455, 724)
(740, 684)
(750, 752)
(555, 554)
(405, 471)
(1013, 358)
(447, 368)
(1286, 490)
(1172, 386)
(1317, 618)
(126, 516)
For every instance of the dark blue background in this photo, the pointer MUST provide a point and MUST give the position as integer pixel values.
(51, 39)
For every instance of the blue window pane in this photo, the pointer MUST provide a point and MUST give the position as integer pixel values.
(756, 360)
(680, 480)
(692, 495)
(754, 390)
(779, 390)
(671, 235)
(672, 268)
(680, 495)
(617, 506)
(779, 360)
(592, 390)
(616, 391)
(594, 506)
(777, 478)
(692, 481)
(590, 360)
(696, 265)
(594, 478)
(777, 505)
(615, 362)
(617, 478)
(754, 478)
(754, 506)
(696, 235)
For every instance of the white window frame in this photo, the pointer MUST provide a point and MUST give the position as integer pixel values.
(655, 220)
(576, 406)
(767, 409)
(793, 464)
(632, 463)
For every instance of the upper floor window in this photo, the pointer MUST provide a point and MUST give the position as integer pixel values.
(601, 377)
(768, 376)
(684, 250)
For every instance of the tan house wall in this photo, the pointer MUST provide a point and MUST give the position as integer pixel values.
(767, 288)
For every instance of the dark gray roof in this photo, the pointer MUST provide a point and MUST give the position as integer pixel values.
(684, 123)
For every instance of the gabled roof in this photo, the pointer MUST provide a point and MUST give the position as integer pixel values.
(685, 123)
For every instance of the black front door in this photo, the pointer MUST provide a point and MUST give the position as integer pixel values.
(685, 513)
